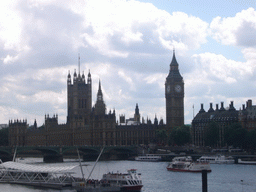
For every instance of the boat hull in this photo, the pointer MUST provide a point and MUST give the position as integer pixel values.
(186, 170)
(149, 158)
(246, 162)
(132, 188)
(82, 187)
(107, 189)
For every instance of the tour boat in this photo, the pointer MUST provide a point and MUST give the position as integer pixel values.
(185, 164)
(246, 162)
(148, 157)
(92, 185)
(218, 159)
(129, 181)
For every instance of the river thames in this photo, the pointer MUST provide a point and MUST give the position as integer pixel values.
(156, 178)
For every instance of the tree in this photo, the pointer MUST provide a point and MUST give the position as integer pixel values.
(161, 136)
(4, 137)
(211, 136)
(251, 141)
(180, 135)
(236, 135)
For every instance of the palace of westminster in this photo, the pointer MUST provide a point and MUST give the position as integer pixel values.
(92, 126)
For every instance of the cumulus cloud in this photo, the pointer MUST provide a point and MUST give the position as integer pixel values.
(238, 30)
(218, 68)
(115, 22)
(125, 44)
(111, 27)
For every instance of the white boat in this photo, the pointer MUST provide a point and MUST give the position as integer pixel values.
(218, 159)
(148, 157)
(91, 185)
(57, 177)
(185, 164)
(246, 162)
(129, 181)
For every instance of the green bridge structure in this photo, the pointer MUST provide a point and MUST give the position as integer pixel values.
(57, 153)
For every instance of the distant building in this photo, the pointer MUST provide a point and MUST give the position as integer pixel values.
(92, 125)
(247, 116)
(223, 117)
(3, 126)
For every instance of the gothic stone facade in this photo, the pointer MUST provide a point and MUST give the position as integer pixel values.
(87, 125)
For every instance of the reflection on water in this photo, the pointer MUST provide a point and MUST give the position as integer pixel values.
(156, 178)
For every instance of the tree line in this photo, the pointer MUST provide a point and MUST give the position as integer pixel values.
(4, 132)
(234, 135)
(178, 136)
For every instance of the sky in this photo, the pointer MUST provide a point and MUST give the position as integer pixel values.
(128, 46)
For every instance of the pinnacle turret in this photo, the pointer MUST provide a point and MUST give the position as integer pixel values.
(99, 94)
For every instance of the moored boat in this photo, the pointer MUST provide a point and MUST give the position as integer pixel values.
(129, 181)
(148, 157)
(91, 185)
(218, 159)
(246, 162)
(185, 164)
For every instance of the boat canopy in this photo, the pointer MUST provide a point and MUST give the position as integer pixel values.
(37, 168)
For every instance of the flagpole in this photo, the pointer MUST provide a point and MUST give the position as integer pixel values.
(193, 111)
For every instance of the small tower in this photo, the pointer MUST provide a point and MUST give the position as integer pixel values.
(83, 78)
(122, 119)
(89, 80)
(35, 124)
(75, 76)
(100, 107)
(137, 114)
(69, 78)
(155, 121)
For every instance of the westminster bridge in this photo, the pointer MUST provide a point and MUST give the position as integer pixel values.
(90, 153)
(57, 153)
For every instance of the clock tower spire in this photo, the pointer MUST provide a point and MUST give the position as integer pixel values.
(174, 96)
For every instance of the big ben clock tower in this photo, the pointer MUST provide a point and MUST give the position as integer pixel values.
(174, 95)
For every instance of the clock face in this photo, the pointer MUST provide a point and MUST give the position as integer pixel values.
(178, 88)
(168, 89)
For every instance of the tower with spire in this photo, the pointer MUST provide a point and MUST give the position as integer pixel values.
(100, 107)
(137, 114)
(79, 99)
(174, 95)
(103, 124)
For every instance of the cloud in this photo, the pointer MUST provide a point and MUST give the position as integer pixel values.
(218, 68)
(125, 44)
(146, 25)
(11, 26)
(238, 30)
